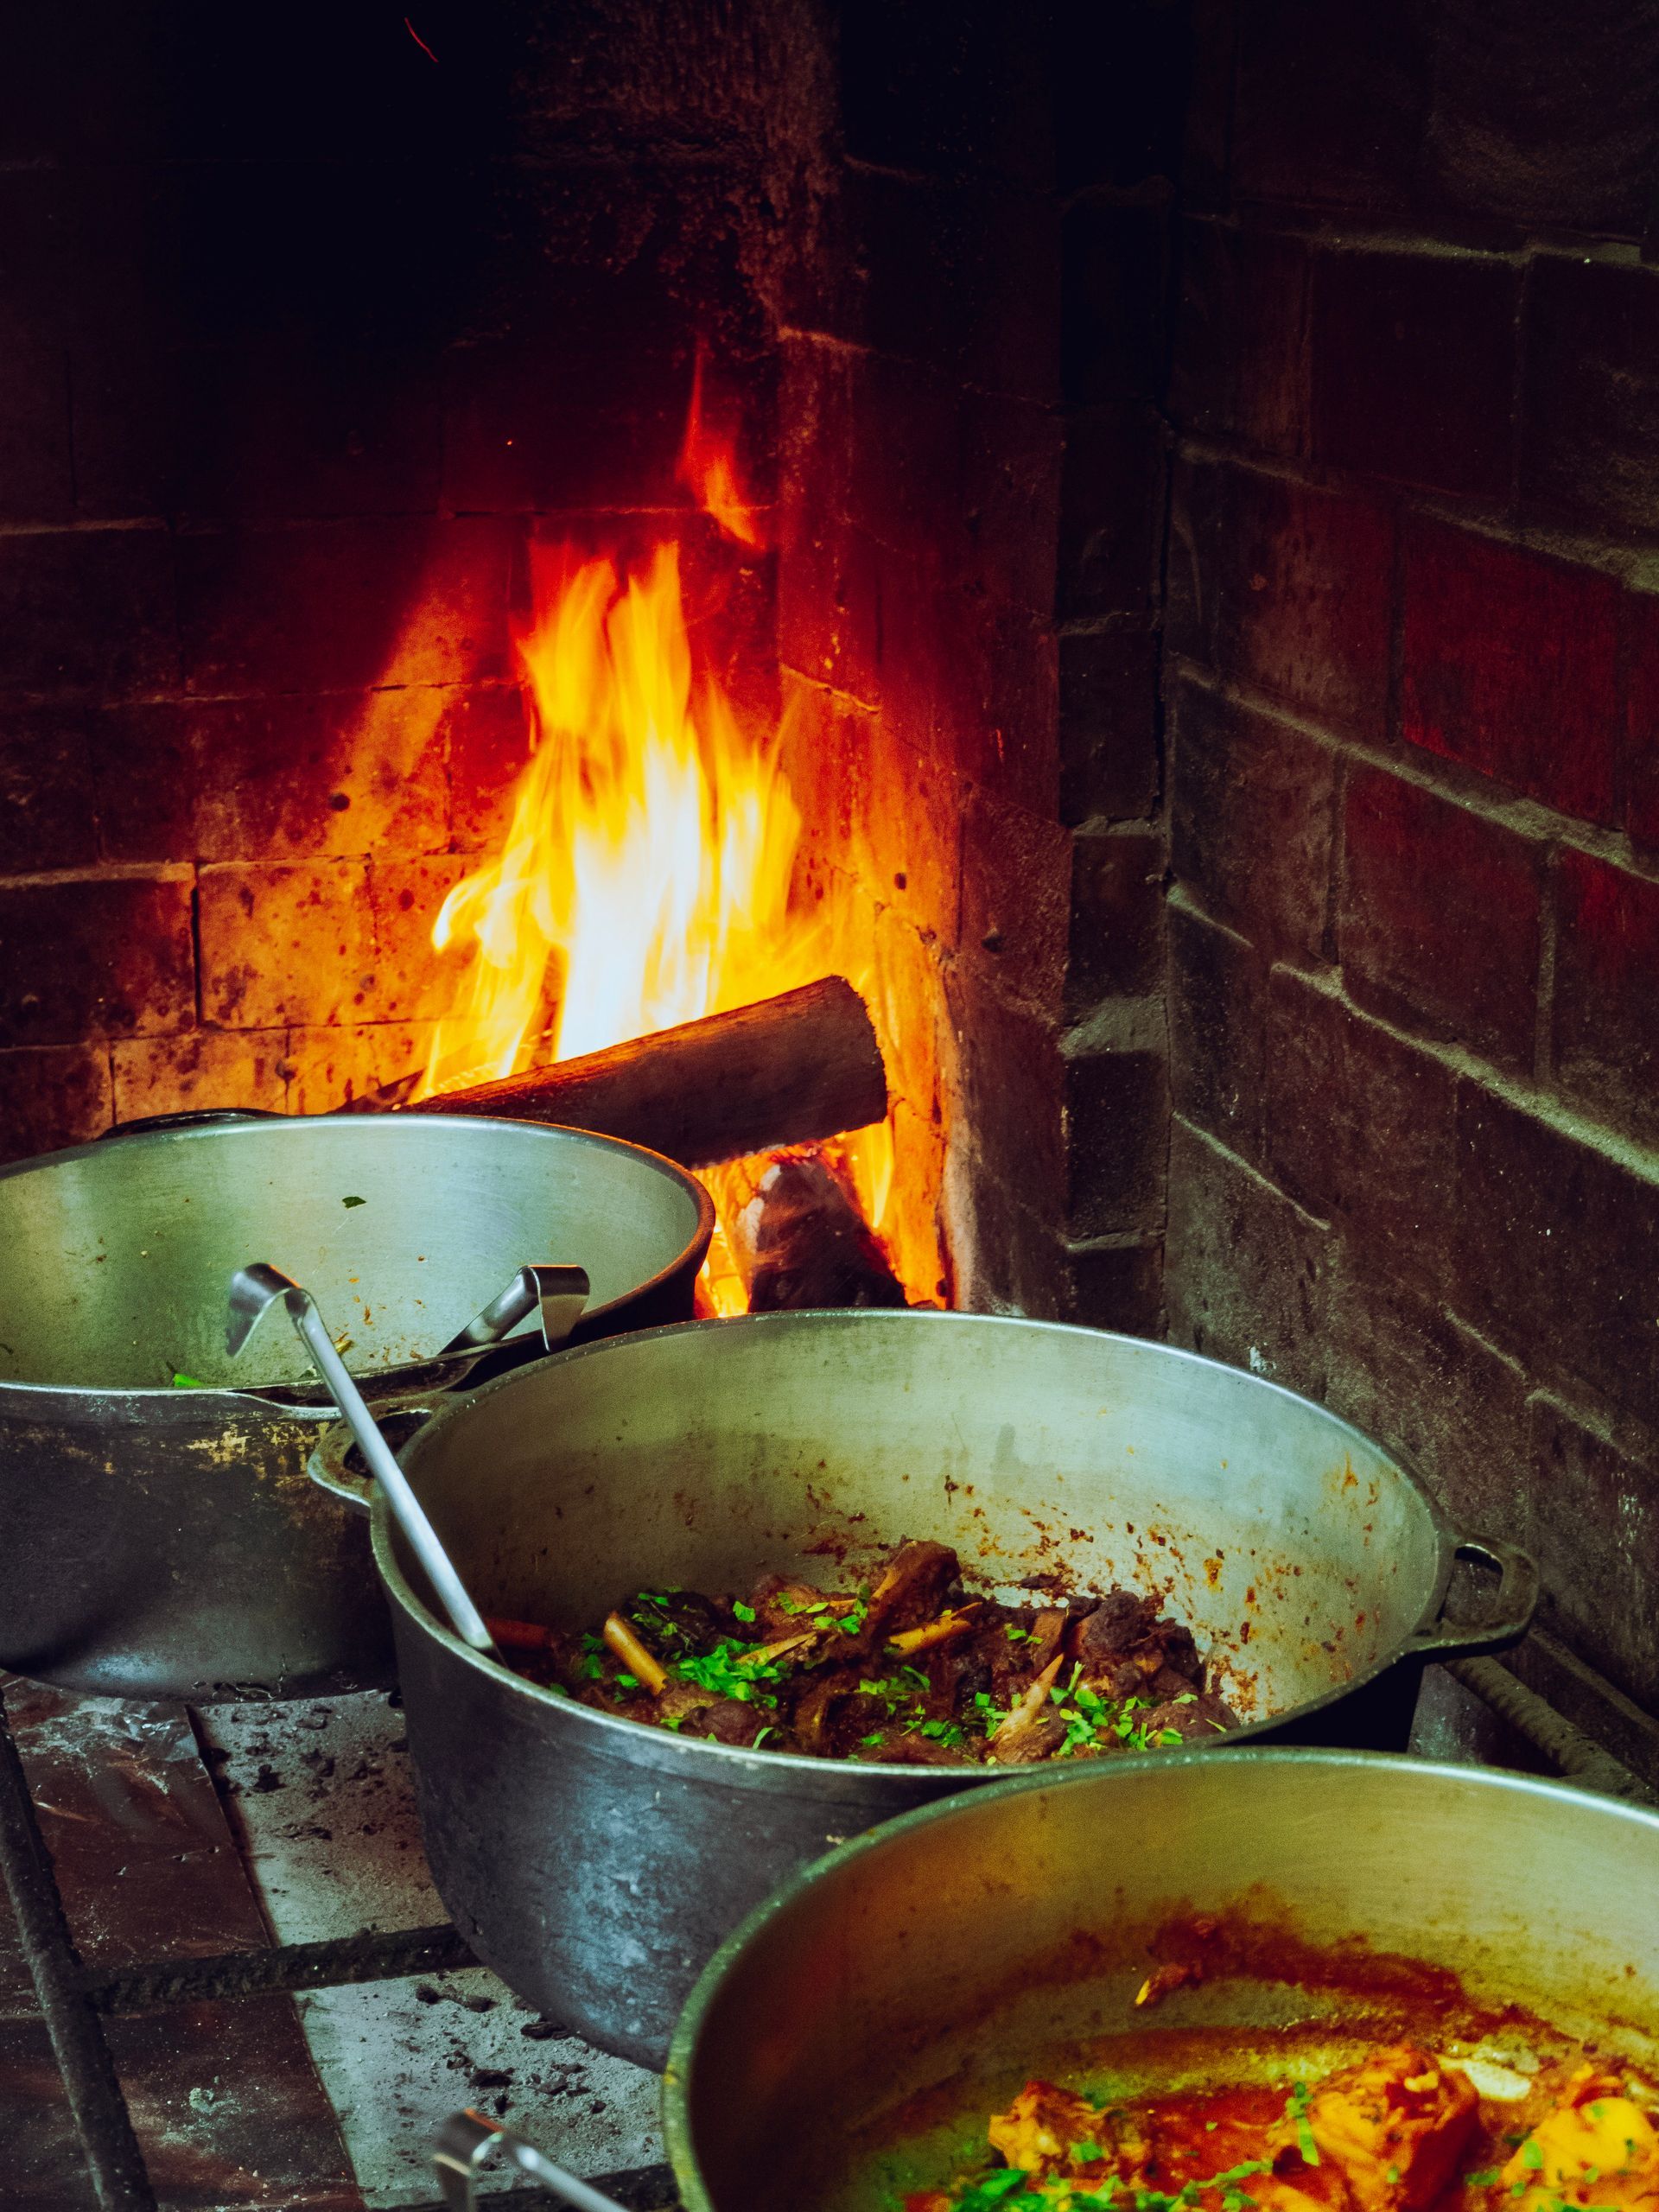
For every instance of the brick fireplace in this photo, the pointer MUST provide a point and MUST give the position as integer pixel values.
(1208, 454)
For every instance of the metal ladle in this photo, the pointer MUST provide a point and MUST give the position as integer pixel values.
(254, 1291)
(560, 1293)
(468, 2140)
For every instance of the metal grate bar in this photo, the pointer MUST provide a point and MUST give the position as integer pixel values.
(368, 1957)
(96, 2100)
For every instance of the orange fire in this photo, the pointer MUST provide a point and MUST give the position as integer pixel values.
(646, 874)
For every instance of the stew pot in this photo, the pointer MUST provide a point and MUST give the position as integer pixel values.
(946, 1957)
(595, 1862)
(162, 1540)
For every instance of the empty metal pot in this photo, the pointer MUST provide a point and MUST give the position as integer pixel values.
(949, 1955)
(158, 1539)
(594, 1862)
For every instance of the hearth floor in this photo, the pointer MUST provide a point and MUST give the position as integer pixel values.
(328, 2098)
(180, 1836)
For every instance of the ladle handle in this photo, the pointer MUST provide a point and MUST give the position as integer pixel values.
(467, 2142)
(411, 1515)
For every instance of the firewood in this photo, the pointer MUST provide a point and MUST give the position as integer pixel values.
(802, 1066)
(800, 1242)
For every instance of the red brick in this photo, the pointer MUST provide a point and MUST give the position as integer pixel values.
(1543, 116)
(1410, 1373)
(1384, 328)
(1439, 917)
(37, 481)
(905, 993)
(1016, 900)
(284, 429)
(1252, 807)
(964, 486)
(1116, 1122)
(275, 780)
(1594, 1527)
(487, 736)
(204, 1068)
(1557, 1250)
(1217, 1029)
(48, 812)
(1241, 366)
(86, 610)
(1116, 948)
(95, 956)
(286, 944)
(1329, 105)
(1115, 280)
(1008, 1089)
(1112, 498)
(329, 1067)
(1590, 408)
(964, 276)
(52, 1098)
(945, 91)
(412, 983)
(1606, 1001)
(1005, 1258)
(1285, 586)
(1360, 1128)
(1511, 665)
(1246, 1270)
(341, 605)
(1116, 1282)
(1109, 724)
(1637, 772)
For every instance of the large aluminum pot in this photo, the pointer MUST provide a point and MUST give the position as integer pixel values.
(595, 1863)
(157, 1541)
(955, 1952)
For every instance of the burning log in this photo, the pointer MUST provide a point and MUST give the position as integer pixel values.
(800, 1242)
(795, 1068)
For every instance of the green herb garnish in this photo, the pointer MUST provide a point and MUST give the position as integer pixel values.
(353, 1202)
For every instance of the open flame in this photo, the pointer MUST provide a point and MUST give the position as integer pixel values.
(646, 876)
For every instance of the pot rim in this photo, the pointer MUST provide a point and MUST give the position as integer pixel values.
(783, 1772)
(410, 1373)
(1104, 1774)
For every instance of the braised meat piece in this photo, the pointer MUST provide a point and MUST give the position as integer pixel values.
(1394, 2128)
(904, 1667)
(1195, 1717)
(1597, 2146)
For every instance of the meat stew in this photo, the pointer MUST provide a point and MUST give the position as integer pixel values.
(907, 1668)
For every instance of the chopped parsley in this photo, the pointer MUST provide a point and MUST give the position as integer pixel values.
(745, 1613)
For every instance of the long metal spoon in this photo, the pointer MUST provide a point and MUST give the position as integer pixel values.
(466, 2142)
(254, 1291)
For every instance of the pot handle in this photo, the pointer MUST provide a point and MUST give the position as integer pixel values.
(325, 1462)
(1517, 1596)
(193, 1118)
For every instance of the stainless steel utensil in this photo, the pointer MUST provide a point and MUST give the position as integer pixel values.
(467, 2143)
(254, 1291)
(558, 1294)
(163, 1541)
(595, 1862)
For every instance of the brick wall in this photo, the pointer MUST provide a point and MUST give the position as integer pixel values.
(303, 330)
(972, 496)
(1413, 636)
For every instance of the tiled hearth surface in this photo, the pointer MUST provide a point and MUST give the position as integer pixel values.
(176, 1834)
